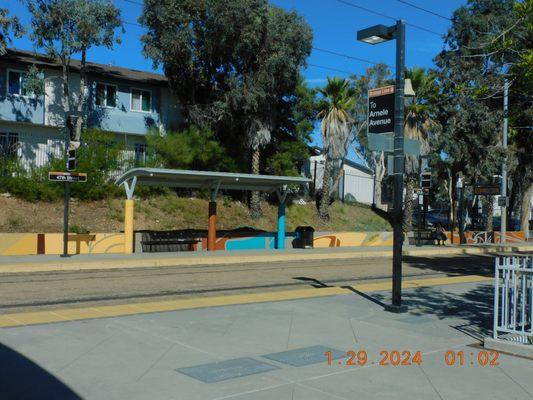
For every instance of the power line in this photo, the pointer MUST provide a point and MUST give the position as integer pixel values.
(350, 4)
(134, 2)
(350, 57)
(419, 8)
(330, 69)
(133, 24)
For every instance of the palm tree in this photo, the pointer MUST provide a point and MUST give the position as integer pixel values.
(336, 128)
(259, 135)
(418, 125)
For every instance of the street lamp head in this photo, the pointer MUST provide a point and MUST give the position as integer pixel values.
(376, 34)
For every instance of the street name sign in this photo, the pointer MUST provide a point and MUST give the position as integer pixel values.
(381, 110)
(490, 190)
(67, 176)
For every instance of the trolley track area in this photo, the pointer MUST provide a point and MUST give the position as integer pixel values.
(49, 290)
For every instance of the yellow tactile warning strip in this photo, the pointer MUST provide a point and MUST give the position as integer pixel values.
(224, 258)
(73, 314)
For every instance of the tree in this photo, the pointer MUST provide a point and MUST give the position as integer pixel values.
(64, 28)
(234, 66)
(289, 149)
(274, 75)
(419, 125)
(338, 98)
(470, 80)
(192, 148)
(7, 25)
(521, 114)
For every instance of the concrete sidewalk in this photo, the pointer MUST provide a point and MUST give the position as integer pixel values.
(19, 264)
(272, 351)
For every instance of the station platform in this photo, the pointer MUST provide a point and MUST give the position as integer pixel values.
(274, 349)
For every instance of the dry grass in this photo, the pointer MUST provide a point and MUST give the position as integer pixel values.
(172, 212)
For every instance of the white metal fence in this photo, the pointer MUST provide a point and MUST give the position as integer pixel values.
(513, 298)
(33, 151)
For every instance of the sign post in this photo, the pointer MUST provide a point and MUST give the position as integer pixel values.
(66, 178)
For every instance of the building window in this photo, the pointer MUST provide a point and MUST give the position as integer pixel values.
(140, 154)
(9, 143)
(141, 100)
(106, 95)
(16, 83)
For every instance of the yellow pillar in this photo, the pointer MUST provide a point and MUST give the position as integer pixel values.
(128, 226)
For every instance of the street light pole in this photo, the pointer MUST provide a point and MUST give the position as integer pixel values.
(375, 35)
(399, 109)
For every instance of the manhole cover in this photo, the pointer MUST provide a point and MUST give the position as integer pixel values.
(305, 356)
(230, 369)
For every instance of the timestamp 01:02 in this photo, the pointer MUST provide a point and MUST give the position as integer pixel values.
(398, 358)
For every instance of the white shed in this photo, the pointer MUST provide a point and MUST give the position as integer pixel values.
(356, 182)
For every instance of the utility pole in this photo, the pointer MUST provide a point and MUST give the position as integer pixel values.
(503, 218)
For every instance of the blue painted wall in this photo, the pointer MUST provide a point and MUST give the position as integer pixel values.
(16, 108)
(121, 118)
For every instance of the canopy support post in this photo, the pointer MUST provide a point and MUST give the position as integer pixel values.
(129, 203)
(212, 222)
(280, 237)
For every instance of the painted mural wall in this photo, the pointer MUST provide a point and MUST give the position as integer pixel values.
(12, 244)
(346, 239)
(17, 244)
(487, 237)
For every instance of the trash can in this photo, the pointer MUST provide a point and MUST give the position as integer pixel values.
(305, 236)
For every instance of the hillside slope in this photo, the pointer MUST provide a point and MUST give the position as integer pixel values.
(172, 212)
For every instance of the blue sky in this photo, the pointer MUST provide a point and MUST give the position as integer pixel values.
(334, 24)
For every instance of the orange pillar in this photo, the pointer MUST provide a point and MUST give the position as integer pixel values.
(212, 227)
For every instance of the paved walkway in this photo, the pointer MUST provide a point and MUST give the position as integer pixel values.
(271, 350)
(10, 264)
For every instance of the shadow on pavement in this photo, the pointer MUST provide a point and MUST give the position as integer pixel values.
(21, 378)
(474, 307)
(467, 265)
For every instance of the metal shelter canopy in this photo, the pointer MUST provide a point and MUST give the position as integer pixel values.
(212, 181)
(204, 180)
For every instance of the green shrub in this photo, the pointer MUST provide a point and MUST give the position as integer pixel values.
(98, 156)
(193, 148)
(32, 185)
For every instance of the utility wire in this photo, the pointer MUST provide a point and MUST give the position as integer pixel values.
(350, 4)
(350, 57)
(133, 24)
(134, 2)
(417, 7)
(330, 69)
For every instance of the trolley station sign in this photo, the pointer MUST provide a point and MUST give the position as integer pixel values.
(381, 110)
(67, 176)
